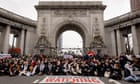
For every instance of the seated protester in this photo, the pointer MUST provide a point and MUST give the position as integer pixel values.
(107, 69)
(34, 62)
(50, 68)
(73, 69)
(53, 71)
(85, 70)
(86, 57)
(78, 69)
(32, 66)
(41, 68)
(128, 73)
(25, 69)
(66, 69)
(96, 69)
(102, 68)
(112, 61)
(91, 67)
(122, 59)
(14, 68)
(116, 72)
(36, 68)
(21, 65)
(6, 68)
(46, 66)
(1, 68)
(32, 69)
(58, 68)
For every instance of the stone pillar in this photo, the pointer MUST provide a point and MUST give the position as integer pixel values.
(135, 41)
(118, 42)
(27, 39)
(22, 41)
(1, 40)
(6, 39)
(113, 43)
(135, 5)
(123, 46)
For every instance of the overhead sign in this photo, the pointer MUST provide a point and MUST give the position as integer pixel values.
(71, 80)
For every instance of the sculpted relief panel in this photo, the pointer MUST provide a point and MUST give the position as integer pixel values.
(70, 12)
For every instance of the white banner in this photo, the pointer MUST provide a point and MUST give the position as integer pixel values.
(71, 80)
(4, 56)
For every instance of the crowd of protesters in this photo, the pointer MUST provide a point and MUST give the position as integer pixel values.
(103, 66)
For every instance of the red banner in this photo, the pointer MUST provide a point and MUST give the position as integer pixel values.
(91, 53)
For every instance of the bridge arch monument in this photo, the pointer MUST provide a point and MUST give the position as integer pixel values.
(86, 18)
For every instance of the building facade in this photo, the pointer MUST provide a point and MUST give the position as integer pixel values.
(119, 29)
(135, 5)
(23, 29)
(119, 34)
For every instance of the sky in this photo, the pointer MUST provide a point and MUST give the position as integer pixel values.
(26, 8)
(70, 42)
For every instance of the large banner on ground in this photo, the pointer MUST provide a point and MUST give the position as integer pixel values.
(71, 80)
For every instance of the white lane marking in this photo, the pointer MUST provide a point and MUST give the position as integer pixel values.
(114, 81)
(36, 81)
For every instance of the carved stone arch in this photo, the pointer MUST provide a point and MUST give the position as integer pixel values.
(76, 22)
(81, 29)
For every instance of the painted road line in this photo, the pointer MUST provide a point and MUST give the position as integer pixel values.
(36, 81)
(113, 81)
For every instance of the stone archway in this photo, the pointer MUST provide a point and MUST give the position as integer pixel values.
(86, 18)
(71, 25)
(66, 27)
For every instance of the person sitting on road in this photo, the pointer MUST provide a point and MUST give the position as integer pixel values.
(41, 67)
(1, 68)
(14, 68)
(85, 69)
(107, 69)
(116, 72)
(6, 68)
(25, 69)
(129, 74)
(66, 68)
(58, 68)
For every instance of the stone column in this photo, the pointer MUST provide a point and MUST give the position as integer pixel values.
(6, 39)
(22, 41)
(27, 39)
(1, 39)
(118, 42)
(113, 43)
(135, 41)
(123, 46)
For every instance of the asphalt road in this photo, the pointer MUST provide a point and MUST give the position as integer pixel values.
(37, 79)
